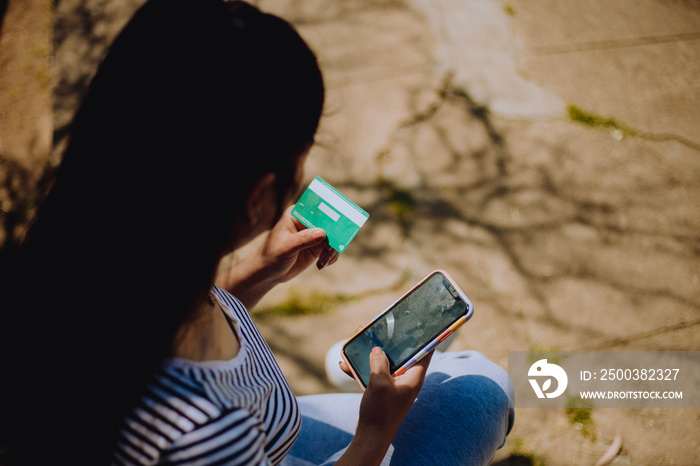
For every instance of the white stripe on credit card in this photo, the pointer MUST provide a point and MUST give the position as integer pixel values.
(338, 202)
(328, 211)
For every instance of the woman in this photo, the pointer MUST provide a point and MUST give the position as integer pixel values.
(119, 347)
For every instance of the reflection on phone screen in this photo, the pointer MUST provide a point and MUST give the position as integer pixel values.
(408, 326)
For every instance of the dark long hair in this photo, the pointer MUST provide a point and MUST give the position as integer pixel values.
(195, 100)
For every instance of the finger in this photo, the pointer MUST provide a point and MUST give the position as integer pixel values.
(416, 373)
(344, 367)
(322, 258)
(325, 258)
(306, 239)
(378, 362)
(334, 255)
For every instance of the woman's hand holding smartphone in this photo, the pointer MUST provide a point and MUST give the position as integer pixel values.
(384, 405)
(388, 398)
(389, 358)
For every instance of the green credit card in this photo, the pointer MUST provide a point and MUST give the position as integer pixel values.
(323, 206)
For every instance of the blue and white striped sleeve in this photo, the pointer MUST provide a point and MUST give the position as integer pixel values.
(235, 438)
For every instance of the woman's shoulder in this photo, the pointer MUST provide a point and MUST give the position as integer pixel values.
(175, 414)
(232, 304)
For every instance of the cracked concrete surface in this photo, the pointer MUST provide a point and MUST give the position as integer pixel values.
(447, 121)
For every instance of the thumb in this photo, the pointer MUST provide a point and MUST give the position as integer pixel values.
(305, 239)
(378, 362)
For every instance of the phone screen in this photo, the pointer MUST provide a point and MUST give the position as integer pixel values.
(408, 325)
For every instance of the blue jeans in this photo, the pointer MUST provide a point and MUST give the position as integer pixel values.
(461, 417)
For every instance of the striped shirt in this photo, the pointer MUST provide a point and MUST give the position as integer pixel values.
(236, 412)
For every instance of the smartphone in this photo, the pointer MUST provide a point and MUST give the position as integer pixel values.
(411, 327)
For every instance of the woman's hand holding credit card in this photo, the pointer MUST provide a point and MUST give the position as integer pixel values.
(323, 206)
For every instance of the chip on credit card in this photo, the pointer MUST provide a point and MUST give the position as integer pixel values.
(323, 206)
